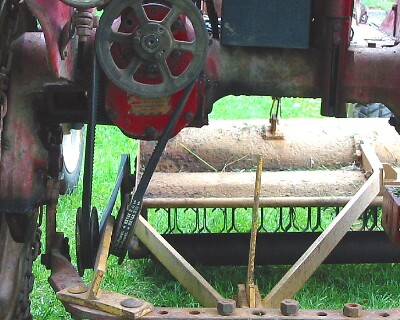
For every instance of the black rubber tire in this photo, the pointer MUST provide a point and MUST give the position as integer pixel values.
(371, 110)
(73, 149)
(20, 305)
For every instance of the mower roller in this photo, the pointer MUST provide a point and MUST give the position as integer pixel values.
(303, 192)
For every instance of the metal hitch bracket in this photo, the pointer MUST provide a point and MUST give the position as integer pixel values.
(95, 298)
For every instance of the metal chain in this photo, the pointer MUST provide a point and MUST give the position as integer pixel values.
(23, 310)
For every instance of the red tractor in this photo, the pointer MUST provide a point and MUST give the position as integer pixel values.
(151, 68)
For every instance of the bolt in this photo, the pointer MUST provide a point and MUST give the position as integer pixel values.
(160, 30)
(352, 310)
(177, 54)
(136, 40)
(188, 116)
(151, 133)
(113, 114)
(78, 289)
(226, 307)
(131, 303)
(290, 307)
(158, 55)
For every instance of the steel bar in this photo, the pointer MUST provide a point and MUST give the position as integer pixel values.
(248, 314)
(250, 288)
(273, 202)
(202, 291)
(279, 248)
(302, 270)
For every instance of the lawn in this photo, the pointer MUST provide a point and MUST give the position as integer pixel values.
(330, 287)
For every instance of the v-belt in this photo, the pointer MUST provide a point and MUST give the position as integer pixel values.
(126, 221)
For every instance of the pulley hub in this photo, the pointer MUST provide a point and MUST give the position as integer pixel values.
(152, 42)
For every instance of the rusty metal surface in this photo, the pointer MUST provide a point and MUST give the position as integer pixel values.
(109, 302)
(306, 144)
(368, 76)
(64, 275)
(175, 314)
(24, 159)
(53, 17)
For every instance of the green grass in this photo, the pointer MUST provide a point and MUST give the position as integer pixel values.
(374, 286)
(380, 4)
(254, 107)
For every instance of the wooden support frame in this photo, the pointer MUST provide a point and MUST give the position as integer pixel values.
(303, 269)
(201, 290)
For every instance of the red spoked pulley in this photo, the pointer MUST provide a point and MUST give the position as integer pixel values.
(152, 49)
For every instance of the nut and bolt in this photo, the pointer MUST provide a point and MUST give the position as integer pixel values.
(352, 310)
(78, 289)
(189, 117)
(131, 303)
(113, 114)
(226, 307)
(159, 55)
(290, 307)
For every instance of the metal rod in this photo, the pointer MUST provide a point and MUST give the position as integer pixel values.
(272, 202)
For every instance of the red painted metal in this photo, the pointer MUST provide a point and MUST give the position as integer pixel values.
(147, 118)
(53, 17)
(388, 26)
(24, 159)
(337, 39)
